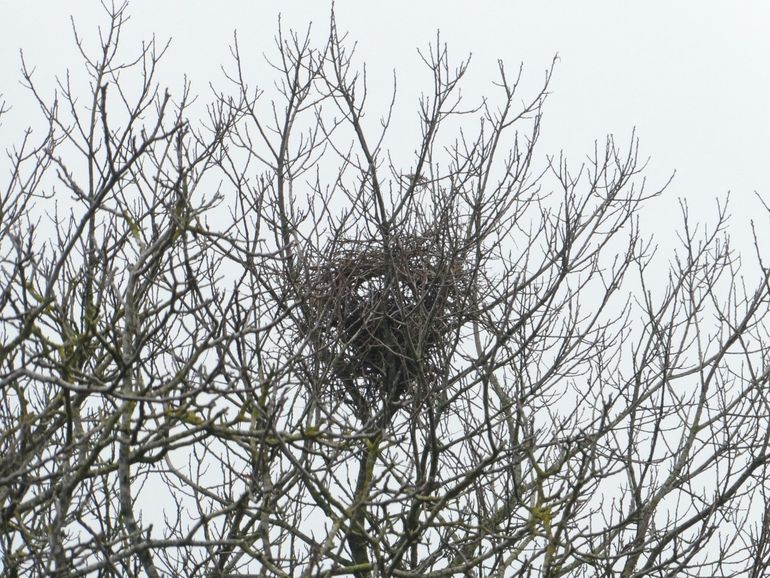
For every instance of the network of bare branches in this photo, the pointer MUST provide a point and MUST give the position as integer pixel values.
(255, 339)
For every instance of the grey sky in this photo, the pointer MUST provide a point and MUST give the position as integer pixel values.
(693, 76)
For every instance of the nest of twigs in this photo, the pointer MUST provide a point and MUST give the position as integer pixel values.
(381, 318)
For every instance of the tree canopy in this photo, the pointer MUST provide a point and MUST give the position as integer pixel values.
(255, 343)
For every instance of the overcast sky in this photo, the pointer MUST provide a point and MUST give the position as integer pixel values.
(692, 77)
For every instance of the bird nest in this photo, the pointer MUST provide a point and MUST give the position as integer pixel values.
(381, 319)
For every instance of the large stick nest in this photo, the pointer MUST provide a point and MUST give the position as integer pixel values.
(382, 317)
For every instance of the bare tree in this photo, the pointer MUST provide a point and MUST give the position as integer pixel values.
(252, 342)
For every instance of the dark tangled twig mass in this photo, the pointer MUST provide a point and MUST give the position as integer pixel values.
(379, 316)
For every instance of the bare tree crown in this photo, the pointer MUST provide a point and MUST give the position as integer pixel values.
(253, 344)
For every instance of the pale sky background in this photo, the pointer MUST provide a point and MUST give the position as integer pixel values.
(693, 77)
